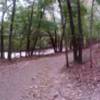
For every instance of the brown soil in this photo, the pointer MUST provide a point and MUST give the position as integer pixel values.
(47, 78)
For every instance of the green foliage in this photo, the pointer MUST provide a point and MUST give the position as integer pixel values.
(21, 21)
(98, 1)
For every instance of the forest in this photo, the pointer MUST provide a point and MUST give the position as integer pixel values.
(49, 49)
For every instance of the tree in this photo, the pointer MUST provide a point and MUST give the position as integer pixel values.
(72, 28)
(62, 24)
(63, 27)
(41, 9)
(29, 29)
(91, 30)
(80, 37)
(2, 28)
(11, 30)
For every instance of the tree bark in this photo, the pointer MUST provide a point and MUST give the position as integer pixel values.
(29, 30)
(91, 30)
(80, 37)
(72, 27)
(2, 30)
(62, 24)
(52, 41)
(11, 30)
(38, 27)
(2, 37)
(56, 37)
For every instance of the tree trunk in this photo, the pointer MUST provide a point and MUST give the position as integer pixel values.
(66, 43)
(56, 37)
(23, 36)
(80, 37)
(2, 37)
(91, 30)
(74, 42)
(38, 27)
(62, 23)
(2, 30)
(29, 30)
(53, 42)
(11, 30)
(34, 45)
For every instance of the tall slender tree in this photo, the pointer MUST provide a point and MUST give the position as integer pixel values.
(37, 30)
(29, 29)
(72, 28)
(2, 29)
(55, 35)
(62, 24)
(91, 31)
(80, 37)
(11, 30)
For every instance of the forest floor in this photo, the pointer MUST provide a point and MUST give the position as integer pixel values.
(47, 78)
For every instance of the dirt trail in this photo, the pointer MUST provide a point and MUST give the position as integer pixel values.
(18, 80)
(47, 79)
